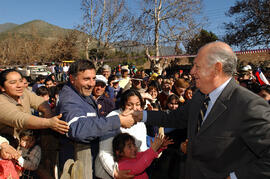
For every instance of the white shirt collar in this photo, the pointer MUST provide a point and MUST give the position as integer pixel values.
(215, 93)
(213, 97)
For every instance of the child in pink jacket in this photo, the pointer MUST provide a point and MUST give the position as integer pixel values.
(128, 158)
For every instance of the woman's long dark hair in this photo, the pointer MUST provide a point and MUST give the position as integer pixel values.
(173, 97)
(3, 75)
(127, 94)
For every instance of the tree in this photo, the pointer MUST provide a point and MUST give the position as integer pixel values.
(200, 40)
(251, 26)
(12, 50)
(177, 50)
(105, 22)
(23, 50)
(31, 47)
(66, 48)
(167, 22)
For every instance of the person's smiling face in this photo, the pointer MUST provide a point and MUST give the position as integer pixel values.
(13, 86)
(153, 92)
(130, 150)
(99, 89)
(133, 103)
(84, 81)
(203, 72)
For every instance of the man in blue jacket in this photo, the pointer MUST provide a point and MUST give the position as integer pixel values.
(80, 110)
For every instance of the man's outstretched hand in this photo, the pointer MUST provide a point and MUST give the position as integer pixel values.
(137, 116)
(126, 119)
(130, 117)
(58, 125)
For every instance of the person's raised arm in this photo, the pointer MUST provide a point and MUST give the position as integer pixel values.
(176, 118)
(126, 119)
(15, 118)
(144, 159)
(53, 123)
(122, 174)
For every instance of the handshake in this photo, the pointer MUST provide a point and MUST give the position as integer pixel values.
(130, 117)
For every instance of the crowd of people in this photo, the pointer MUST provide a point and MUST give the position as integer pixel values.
(102, 113)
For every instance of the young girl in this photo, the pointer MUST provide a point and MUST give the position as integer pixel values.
(188, 94)
(128, 158)
(30, 153)
(105, 166)
(153, 91)
(173, 102)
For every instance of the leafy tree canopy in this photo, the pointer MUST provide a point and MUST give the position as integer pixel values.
(251, 26)
(200, 40)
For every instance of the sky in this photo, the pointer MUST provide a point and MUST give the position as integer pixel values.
(214, 11)
(67, 13)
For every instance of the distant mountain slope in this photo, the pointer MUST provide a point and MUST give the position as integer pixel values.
(36, 28)
(49, 33)
(7, 26)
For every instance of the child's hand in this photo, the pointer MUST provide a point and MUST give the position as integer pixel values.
(158, 141)
(149, 107)
(8, 152)
(184, 146)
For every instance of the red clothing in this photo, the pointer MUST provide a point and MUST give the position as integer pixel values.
(9, 168)
(138, 165)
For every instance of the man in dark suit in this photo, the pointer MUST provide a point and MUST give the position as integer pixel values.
(233, 138)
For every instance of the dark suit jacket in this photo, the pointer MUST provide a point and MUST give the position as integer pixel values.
(235, 136)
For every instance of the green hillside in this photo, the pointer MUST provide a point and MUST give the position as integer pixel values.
(7, 26)
(38, 29)
(35, 28)
(37, 40)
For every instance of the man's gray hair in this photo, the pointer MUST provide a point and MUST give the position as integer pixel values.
(106, 67)
(225, 56)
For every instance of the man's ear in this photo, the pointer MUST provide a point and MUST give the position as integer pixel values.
(2, 89)
(218, 67)
(72, 79)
